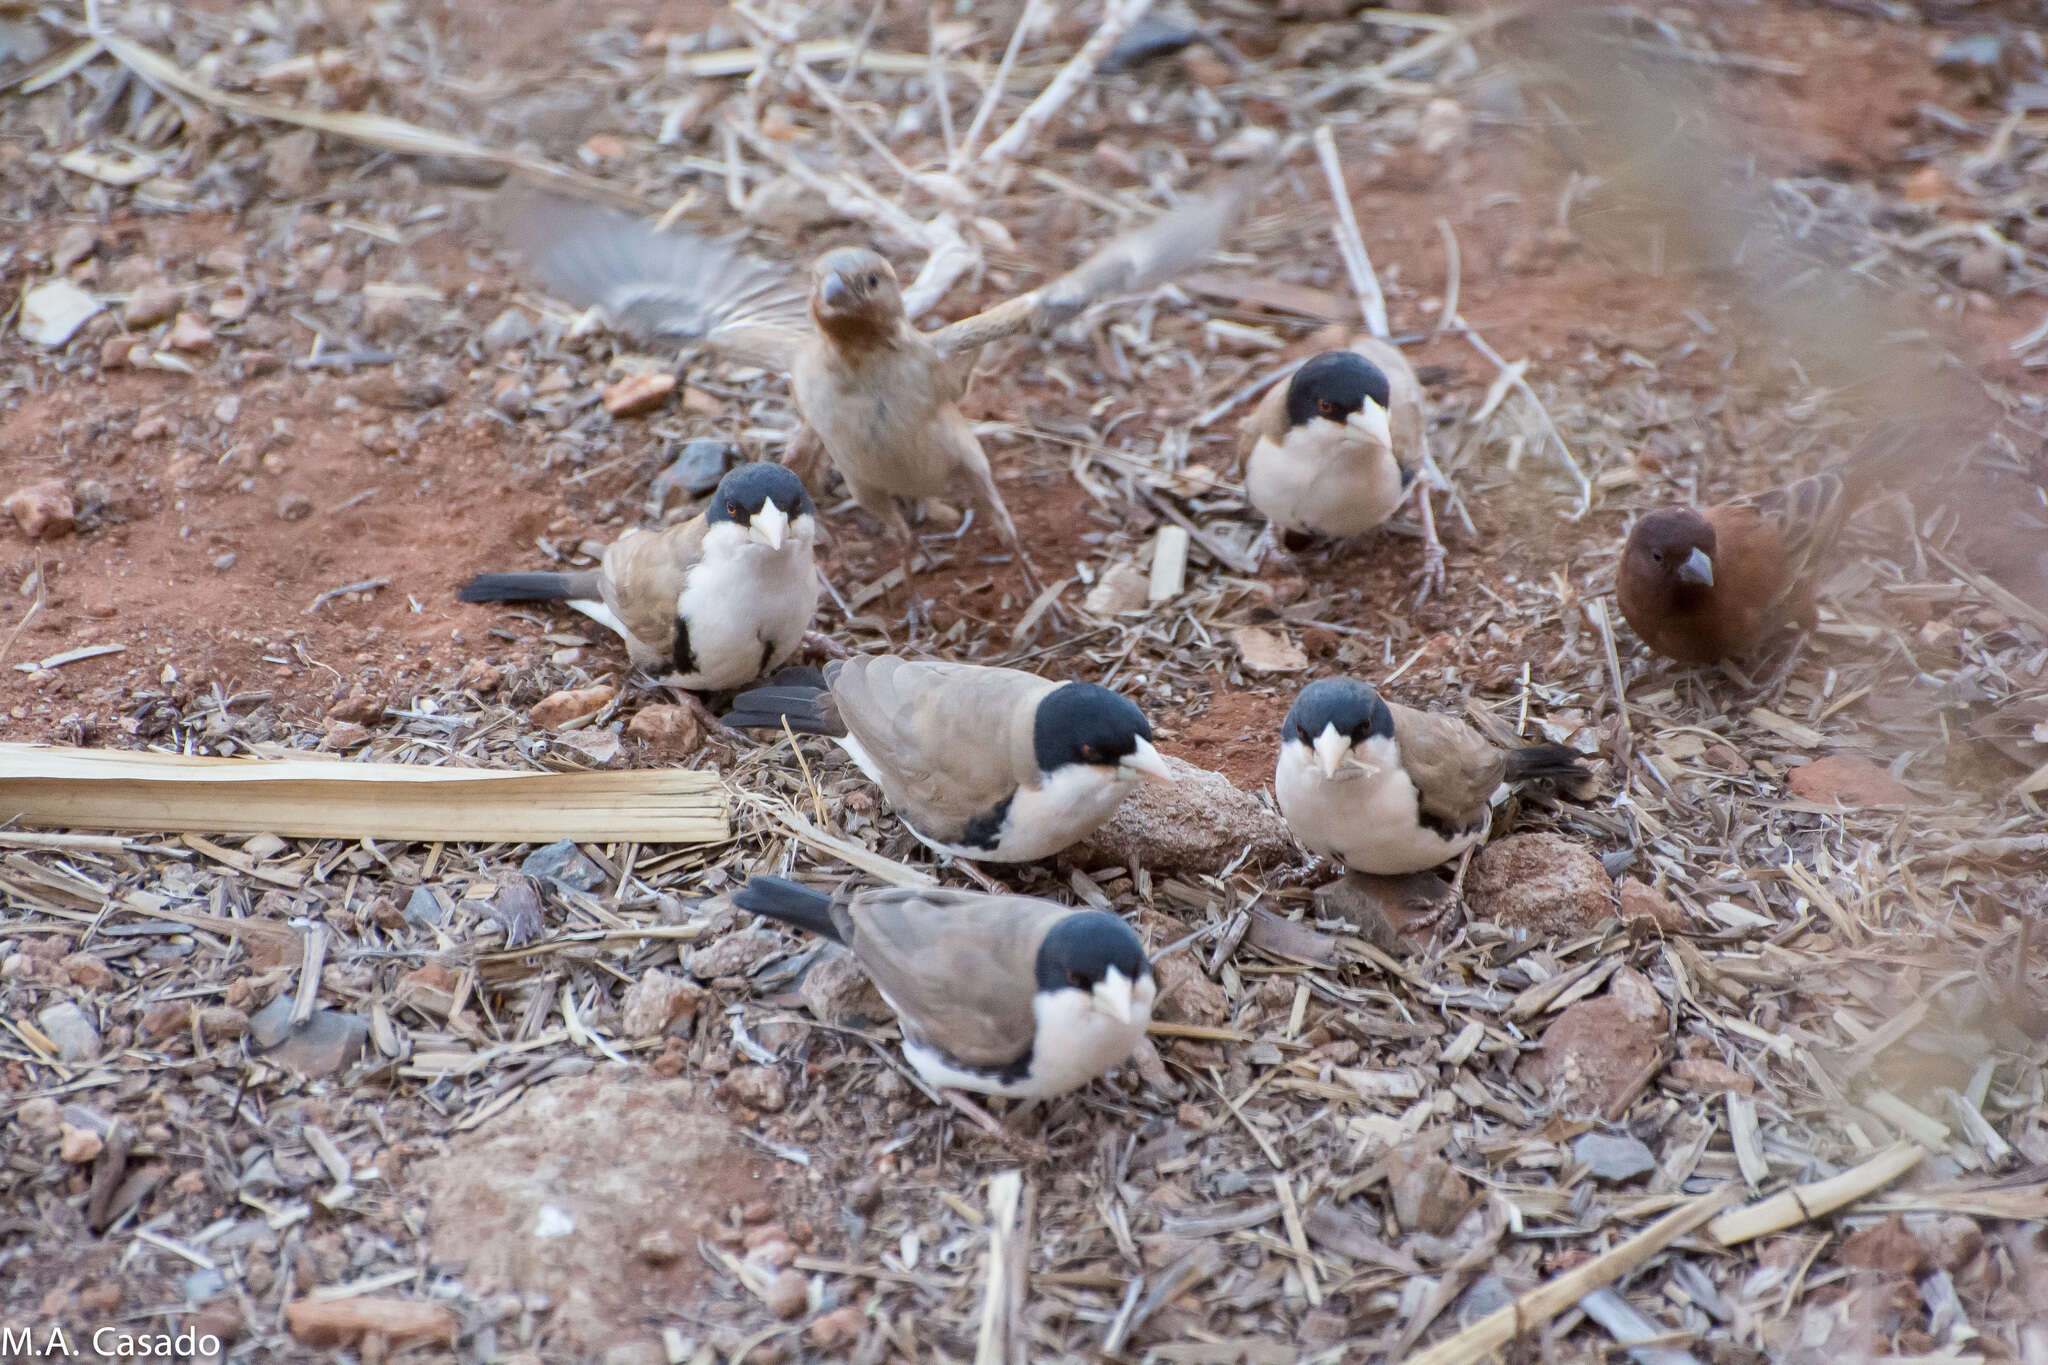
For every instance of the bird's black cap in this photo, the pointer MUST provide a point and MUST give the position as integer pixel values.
(1353, 707)
(747, 488)
(1079, 722)
(1079, 951)
(1343, 380)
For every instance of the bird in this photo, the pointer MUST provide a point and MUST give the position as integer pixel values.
(1332, 452)
(1390, 790)
(716, 601)
(980, 763)
(997, 995)
(879, 394)
(1700, 586)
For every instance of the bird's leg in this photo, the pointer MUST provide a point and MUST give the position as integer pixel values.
(824, 644)
(1774, 685)
(1269, 551)
(990, 500)
(694, 704)
(1023, 1147)
(980, 878)
(1430, 579)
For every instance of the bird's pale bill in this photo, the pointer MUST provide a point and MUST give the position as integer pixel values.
(1112, 996)
(770, 525)
(1333, 751)
(1696, 569)
(1144, 762)
(1372, 420)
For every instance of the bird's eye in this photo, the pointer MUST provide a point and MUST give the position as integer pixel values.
(874, 280)
(1327, 406)
(732, 509)
(1306, 737)
(1077, 980)
(1657, 555)
(1090, 754)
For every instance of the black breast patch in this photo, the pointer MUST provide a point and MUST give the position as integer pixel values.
(985, 831)
(684, 657)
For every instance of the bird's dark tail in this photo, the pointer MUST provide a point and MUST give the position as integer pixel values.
(528, 587)
(781, 899)
(1553, 763)
(796, 695)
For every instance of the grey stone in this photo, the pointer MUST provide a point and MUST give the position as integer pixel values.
(1613, 1156)
(566, 863)
(697, 469)
(734, 955)
(328, 1042)
(837, 991)
(1488, 1294)
(1200, 823)
(1975, 51)
(71, 1030)
(509, 329)
(424, 907)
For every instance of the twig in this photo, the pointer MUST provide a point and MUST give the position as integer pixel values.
(993, 96)
(1453, 276)
(367, 585)
(1116, 22)
(1350, 242)
(1521, 386)
(1005, 1189)
(1486, 1336)
(1796, 1205)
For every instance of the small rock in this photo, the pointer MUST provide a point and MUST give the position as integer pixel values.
(40, 1116)
(634, 1353)
(638, 393)
(424, 908)
(344, 1322)
(294, 507)
(1709, 1077)
(564, 862)
(1248, 143)
(88, 971)
(696, 471)
(1394, 914)
(479, 676)
(838, 1331)
(190, 333)
(52, 312)
(360, 707)
(1268, 651)
(339, 736)
(1541, 883)
(78, 242)
(559, 708)
(597, 747)
(150, 304)
(734, 955)
(288, 161)
(1846, 780)
(223, 1023)
(118, 352)
(1201, 823)
(1123, 587)
(1641, 901)
(1186, 994)
(1952, 1241)
(232, 303)
(658, 1247)
(1613, 1156)
(756, 1087)
(656, 1001)
(1928, 185)
(165, 1018)
(386, 315)
(66, 1025)
(509, 329)
(837, 991)
(1429, 1194)
(224, 562)
(1598, 1052)
(1206, 68)
(330, 1040)
(1888, 1246)
(788, 1295)
(79, 1145)
(44, 510)
(670, 731)
(1982, 267)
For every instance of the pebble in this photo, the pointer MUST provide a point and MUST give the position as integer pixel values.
(1394, 914)
(424, 908)
(1847, 780)
(223, 1023)
(79, 1145)
(1641, 901)
(1541, 883)
(1123, 587)
(78, 242)
(43, 510)
(88, 971)
(564, 862)
(1598, 1051)
(232, 303)
(1428, 1193)
(788, 1295)
(1613, 1156)
(66, 1025)
(343, 1322)
(734, 955)
(837, 991)
(479, 676)
(655, 1002)
(1982, 267)
(837, 1331)
(695, 471)
(658, 1247)
(756, 1087)
(509, 329)
(1201, 823)
(52, 312)
(668, 730)
(638, 393)
(165, 1018)
(40, 1116)
(190, 333)
(330, 1040)
(294, 507)
(150, 304)
(597, 747)
(1248, 143)
(224, 562)
(559, 708)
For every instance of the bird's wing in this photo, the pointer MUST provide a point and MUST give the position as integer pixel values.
(1407, 416)
(959, 966)
(950, 741)
(1267, 421)
(1453, 767)
(1169, 244)
(644, 572)
(673, 285)
(1806, 520)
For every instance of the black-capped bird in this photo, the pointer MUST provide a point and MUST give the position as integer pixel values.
(881, 395)
(1390, 790)
(1333, 451)
(999, 995)
(980, 763)
(708, 604)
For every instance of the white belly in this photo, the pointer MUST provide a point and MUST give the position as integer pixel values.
(1074, 1044)
(1041, 820)
(747, 614)
(1366, 820)
(1328, 490)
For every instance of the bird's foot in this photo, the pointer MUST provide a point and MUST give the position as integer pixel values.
(819, 642)
(980, 878)
(1429, 579)
(1031, 1152)
(694, 704)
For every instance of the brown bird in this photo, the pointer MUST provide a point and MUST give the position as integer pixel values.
(881, 395)
(1701, 586)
